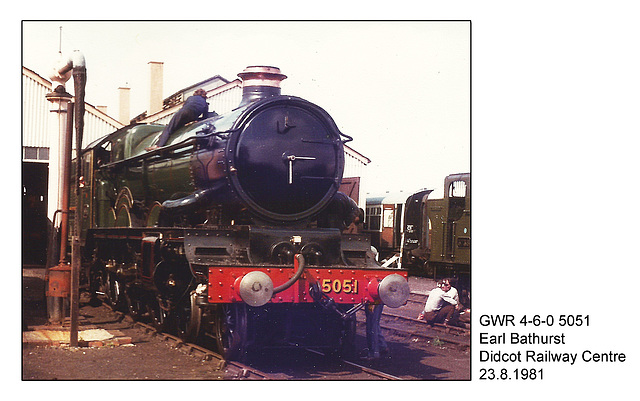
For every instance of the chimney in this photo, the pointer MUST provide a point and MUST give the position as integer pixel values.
(125, 105)
(259, 82)
(155, 87)
(102, 109)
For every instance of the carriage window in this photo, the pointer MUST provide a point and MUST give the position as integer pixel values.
(458, 189)
(388, 218)
(373, 218)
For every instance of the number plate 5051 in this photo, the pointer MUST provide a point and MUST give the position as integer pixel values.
(345, 286)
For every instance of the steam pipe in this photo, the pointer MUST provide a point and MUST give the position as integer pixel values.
(79, 84)
(62, 71)
(64, 193)
(299, 260)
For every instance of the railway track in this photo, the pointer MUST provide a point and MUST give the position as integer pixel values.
(446, 335)
(376, 374)
(231, 369)
(236, 370)
(403, 321)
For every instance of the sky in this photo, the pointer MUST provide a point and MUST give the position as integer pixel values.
(400, 89)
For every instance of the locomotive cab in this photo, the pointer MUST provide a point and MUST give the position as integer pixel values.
(438, 231)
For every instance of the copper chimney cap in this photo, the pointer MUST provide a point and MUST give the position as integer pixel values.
(260, 82)
(258, 75)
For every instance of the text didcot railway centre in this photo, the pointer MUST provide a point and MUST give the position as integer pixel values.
(549, 356)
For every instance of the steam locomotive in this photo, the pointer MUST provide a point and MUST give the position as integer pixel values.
(234, 229)
(437, 231)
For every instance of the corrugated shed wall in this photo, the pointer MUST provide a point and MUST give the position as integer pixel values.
(96, 127)
(226, 101)
(353, 166)
(35, 112)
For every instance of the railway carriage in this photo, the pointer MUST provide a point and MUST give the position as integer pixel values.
(384, 222)
(233, 229)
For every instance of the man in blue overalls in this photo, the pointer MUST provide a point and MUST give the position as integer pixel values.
(376, 343)
(193, 107)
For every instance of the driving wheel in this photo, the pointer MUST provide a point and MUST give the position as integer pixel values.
(230, 328)
(188, 317)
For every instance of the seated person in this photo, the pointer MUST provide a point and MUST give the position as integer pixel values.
(442, 304)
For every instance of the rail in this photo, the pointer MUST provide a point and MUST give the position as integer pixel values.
(373, 372)
(233, 369)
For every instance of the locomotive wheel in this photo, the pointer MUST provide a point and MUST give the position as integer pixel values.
(154, 214)
(123, 217)
(110, 218)
(230, 328)
(123, 205)
(97, 283)
(114, 289)
(188, 317)
(135, 305)
(158, 313)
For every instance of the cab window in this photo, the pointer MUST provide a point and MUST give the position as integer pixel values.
(458, 189)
